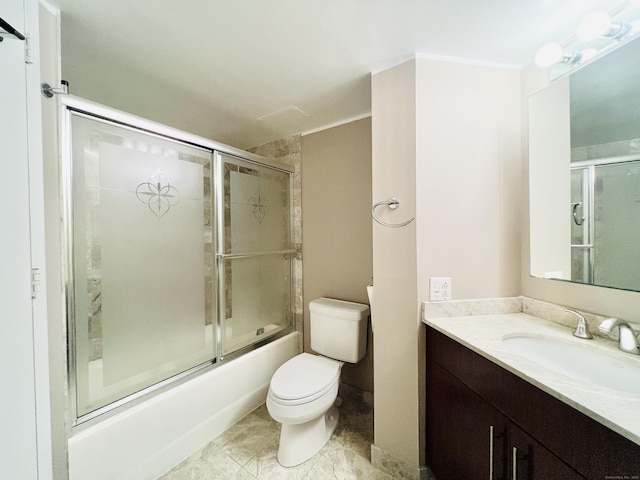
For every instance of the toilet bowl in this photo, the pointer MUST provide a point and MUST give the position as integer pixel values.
(301, 397)
(304, 389)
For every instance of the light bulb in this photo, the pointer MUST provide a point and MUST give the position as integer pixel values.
(588, 54)
(593, 26)
(548, 55)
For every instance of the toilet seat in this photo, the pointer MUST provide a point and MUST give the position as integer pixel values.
(303, 379)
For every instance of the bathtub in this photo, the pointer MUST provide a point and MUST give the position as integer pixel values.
(148, 439)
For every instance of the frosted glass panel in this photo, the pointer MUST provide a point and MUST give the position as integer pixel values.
(257, 208)
(617, 213)
(142, 244)
(260, 294)
(154, 284)
(255, 251)
(259, 214)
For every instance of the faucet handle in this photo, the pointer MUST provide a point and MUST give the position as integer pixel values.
(582, 329)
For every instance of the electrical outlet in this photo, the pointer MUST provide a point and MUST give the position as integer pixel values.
(439, 289)
(446, 288)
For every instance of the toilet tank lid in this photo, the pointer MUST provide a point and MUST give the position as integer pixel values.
(339, 308)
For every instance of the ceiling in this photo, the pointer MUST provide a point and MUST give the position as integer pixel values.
(245, 72)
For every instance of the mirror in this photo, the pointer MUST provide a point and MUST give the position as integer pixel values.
(584, 174)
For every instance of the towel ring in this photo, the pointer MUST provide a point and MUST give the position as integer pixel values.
(392, 203)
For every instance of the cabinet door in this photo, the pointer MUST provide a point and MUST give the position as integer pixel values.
(588, 446)
(469, 439)
(465, 435)
(529, 460)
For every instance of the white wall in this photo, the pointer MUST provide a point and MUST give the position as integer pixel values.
(50, 73)
(25, 441)
(550, 177)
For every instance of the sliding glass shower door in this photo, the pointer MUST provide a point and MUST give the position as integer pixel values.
(141, 233)
(254, 252)
(616, 215)
(177, 257)
(605, 207)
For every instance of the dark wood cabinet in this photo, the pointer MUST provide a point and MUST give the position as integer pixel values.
(483, 422)
(529, 459)
(469, 439)
(460, 426)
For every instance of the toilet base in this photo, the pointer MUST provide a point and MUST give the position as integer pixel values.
(300, 442)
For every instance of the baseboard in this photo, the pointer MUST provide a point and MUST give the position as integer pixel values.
(398, 468)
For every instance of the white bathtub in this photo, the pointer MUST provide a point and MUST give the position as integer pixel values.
(148, 439)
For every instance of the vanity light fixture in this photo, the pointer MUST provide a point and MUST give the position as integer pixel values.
(552, 53)
(598, 33)
(599, 25)
(588, 54)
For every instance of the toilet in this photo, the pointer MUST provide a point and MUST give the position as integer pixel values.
(303, 391)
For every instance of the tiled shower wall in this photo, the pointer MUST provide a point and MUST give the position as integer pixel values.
(288, 151)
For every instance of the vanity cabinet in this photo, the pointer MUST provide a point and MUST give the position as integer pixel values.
(483, 422)
(467, 438)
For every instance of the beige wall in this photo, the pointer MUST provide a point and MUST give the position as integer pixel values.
(468, 178)
(446, 141)
(603, 301)
(336, 225)
(395, 305)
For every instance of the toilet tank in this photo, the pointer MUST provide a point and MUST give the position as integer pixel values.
(339, 329)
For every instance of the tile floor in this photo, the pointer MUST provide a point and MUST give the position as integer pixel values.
(247, 450)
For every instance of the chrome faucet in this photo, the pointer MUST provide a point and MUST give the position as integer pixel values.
(582, 329)
(628, 337)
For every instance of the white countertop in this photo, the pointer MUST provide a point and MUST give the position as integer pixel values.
(483, 333)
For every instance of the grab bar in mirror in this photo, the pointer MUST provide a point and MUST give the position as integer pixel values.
(392, 203)
(233, 256)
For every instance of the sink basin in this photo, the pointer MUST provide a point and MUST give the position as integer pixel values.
(577, 361)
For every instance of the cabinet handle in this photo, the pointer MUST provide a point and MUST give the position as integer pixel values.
(514, 473)
(491, 452)
(492, 436)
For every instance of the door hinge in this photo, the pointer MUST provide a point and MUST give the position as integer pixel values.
(28, 49)
(35, 282)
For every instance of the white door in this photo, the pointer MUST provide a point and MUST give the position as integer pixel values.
(18, 440)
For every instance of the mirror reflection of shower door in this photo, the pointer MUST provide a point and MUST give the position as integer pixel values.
(581, 224)
(617, 215)
(142, 271)
(254, 252)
